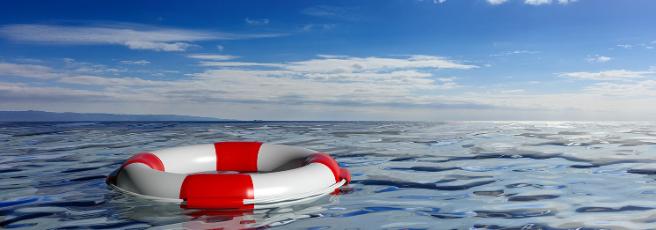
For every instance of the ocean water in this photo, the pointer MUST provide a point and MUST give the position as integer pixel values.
(451, 175)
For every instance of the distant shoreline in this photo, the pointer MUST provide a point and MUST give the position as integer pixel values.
(44, 116)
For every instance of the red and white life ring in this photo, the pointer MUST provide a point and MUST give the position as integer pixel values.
(263, 174)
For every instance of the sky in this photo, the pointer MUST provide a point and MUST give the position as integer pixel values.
(430, 60)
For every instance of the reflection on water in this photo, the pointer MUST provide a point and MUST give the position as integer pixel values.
(487, 175)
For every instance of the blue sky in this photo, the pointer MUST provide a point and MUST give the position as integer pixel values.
(333, 60)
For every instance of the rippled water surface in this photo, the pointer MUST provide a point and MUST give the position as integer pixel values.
(458, 175)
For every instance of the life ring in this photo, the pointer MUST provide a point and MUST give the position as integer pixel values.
(244, 175)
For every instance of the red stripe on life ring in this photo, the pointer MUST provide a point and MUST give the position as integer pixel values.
(237, 156)
(328, 161)
(148, 159)
(345, 174)
(217, 191)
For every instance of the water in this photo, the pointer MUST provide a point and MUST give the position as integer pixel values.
(458, 175)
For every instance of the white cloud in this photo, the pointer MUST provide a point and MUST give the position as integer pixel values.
(78, 67)
(214, 57)
(137, 37)
(446, 83)
(311, 27)
(346, 64)
(537, 2)
(257, 22)
(512, 91)
(336, 80)
(645, 45)
(609, 75)
(323, 11)
(135, 62)
(546, 2)
(110, 81)
(220, 47)
(496, 2)
(439, 1)
(333, 78)
(565, 2)
(16, 92)
(334, 12)
(332, 56)
(645, 88)
(598, 59)
(357, 64)
(515, 52)
(27, 70)
(158, 46)
(375, 90)
(240, 64)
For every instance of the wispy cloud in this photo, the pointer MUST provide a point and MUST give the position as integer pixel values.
(311, 27)
(135, 62)
(515, 52)
(240, 64)
(537, 2)
(214, 57)
(337, 64)
(496, 2)
(533, 2)
(512, 91)
(17, 92)
(645, 45)
(81, 67)
(608, 75)
(644, 88)
(446, 83)
(565, 2)
(598, 59)
(334, 80)
(257, 22)
(546, 2)
(367, 85)
(333, 12)
(346, 64)
(27, 70)
(111, 81)
(139, 37)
